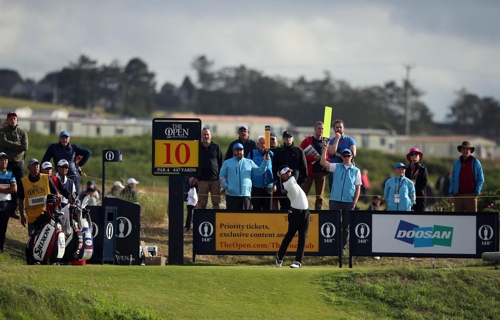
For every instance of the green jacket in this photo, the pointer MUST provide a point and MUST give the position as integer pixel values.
(14, 142)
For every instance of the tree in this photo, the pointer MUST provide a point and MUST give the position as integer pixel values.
(111, 79)
(138, 89)
(465, 112)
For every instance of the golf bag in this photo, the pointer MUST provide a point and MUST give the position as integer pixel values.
(79, 241)
(47, 243)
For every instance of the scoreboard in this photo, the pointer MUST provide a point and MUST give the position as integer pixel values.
(176, 146)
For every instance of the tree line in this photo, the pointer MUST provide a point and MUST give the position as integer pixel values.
(130, 90)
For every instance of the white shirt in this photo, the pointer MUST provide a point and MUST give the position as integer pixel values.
(192, 197)
(72, 191)
(298, 199)
(333, 166)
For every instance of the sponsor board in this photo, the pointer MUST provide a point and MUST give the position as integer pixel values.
(221, 232)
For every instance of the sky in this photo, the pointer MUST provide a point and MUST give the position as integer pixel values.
(449, 44)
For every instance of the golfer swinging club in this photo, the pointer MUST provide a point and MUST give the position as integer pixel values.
(298, 218)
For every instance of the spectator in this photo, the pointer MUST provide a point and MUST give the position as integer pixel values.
(62, 172)
(210, 164)
(90, 194)
(61, 188)
(31, 192)
(443, 185)
(375, 205)
(292, 157)
(262, 184)
(467, 180)
(236, 178)
(116, 189)
(365, 187)
(129, 193)
(337, 144)
(192, 201)
(14, 143)
(65, 150)
(8, 186)
(95, 194)
(417, 173)
(274, 199)
(244, 139)
(313, 146)
(399, 192)
(345, 190)
(298, 219)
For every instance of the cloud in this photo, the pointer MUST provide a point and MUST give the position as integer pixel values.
(453, 44)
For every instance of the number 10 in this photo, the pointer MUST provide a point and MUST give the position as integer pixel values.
(177, 154)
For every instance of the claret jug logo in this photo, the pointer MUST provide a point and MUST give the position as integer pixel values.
(424, 236)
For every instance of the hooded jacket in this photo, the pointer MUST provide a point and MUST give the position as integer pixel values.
(236, 175)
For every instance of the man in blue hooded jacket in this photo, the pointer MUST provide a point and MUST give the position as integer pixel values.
(467, 179)
(262, 184)
(236, 178)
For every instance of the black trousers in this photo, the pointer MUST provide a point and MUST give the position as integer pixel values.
(5, 212)
(419, 205)
(346, 208)
(189, 218)
(261, 198)
(17, 169)
(298, 220)
(237, 203)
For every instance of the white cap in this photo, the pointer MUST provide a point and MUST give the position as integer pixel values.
(284, 170)
(118, 184)
(62, 162)
(132, 181)
(46, 165)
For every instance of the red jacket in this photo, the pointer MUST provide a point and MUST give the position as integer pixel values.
(309, 159)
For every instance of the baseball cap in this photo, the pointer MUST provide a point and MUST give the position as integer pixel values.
(243, 127)
(11, 114)
(273, 134)
(132, 181)
(237, 146)
(3, 154)
(46, 165)
(284, 170)
(346, 151)
(118, 184)
(62, 162)
(287, 134)
(64, 134)
(399, 165)
(32, 161)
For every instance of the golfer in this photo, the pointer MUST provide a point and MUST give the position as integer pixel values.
(298, 218)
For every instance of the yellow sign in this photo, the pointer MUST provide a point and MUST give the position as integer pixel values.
(259, 232)
(176, 153)
(327, 121)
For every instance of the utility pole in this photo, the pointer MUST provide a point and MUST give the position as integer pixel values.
(407, 100)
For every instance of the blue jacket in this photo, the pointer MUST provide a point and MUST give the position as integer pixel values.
(69, 153)
(238, 175)
(406, 191)
(344, 183)
(477, 171)
(265, 180)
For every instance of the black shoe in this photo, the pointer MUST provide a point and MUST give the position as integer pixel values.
(15, 216)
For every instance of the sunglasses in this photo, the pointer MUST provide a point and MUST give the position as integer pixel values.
(64, 167)
(414, 154)
(273, 139)
(346, 155)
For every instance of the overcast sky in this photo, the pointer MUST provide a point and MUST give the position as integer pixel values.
(452, 44)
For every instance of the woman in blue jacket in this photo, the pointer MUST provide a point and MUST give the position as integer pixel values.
(399, 192)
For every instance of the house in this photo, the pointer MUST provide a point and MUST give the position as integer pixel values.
(375, 139)
(227, 126)
(446, 146)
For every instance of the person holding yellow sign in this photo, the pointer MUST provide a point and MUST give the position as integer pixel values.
(298, 218)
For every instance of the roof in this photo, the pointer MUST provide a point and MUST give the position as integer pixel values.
(445, 139)
(230, 118)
